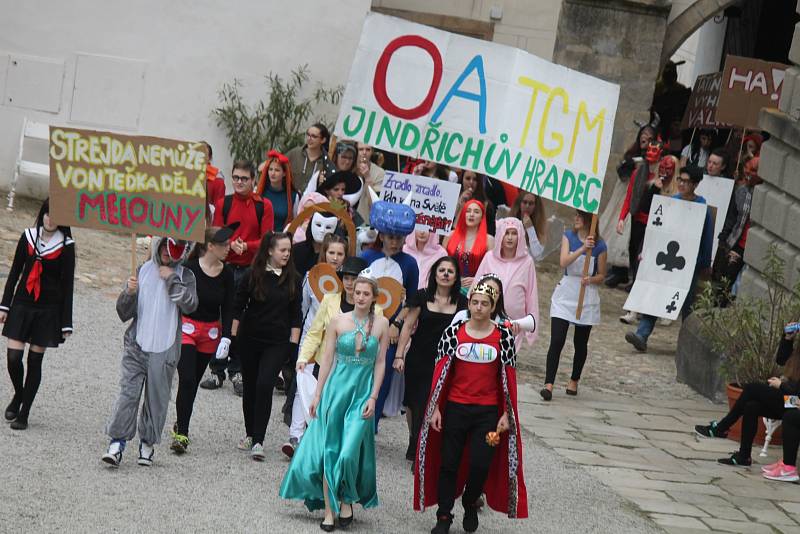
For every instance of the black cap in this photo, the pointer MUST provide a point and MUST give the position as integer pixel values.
(225, 233)
(353, 265)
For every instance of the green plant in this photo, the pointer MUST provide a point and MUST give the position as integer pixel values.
(276, 121)
(748, 332)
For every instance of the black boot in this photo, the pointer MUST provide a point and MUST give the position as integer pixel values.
(443, 523)
(12, 410)
(21, 421)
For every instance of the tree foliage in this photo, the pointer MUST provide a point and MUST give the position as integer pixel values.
(278, 120)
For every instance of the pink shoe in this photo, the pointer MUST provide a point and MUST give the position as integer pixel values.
(787, 473)
(771, 467)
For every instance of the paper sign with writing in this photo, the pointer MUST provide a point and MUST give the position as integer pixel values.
(748, 85)
(701, 112)
(481, 106)
(434, 201)
(669, 255)
(125, 183)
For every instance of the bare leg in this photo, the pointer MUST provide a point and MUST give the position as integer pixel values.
(328, 511)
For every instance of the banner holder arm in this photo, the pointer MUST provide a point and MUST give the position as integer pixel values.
(133, 254)
(586, 261)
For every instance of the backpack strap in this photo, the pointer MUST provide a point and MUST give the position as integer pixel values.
(226, 208)
(258, 203)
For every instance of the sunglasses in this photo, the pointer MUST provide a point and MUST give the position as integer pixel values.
(235, 178)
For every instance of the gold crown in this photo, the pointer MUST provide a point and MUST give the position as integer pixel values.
(486, 289)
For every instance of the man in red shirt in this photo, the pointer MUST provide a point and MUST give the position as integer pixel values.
(473, 402)
(255, 219)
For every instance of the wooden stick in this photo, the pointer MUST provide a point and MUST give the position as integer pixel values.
(332, 147)
(399, 169)
(133, 255)
(586, 261)
(739, 157)
(692, 137)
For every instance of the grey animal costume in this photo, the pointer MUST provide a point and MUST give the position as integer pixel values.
(160, 306)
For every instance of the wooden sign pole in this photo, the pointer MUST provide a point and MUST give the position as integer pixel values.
(586, 261)
(739, 157)
(133, 255)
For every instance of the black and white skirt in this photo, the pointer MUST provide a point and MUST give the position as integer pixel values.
(37, 325)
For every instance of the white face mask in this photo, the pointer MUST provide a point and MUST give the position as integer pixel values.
(322, 226)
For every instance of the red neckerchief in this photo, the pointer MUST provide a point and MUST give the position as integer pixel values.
(34, 281)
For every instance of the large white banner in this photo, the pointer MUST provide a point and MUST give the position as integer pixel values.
(434, 201)
(481, 106)
(669, 256)
(717, 191)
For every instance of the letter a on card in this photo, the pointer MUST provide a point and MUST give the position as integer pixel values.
(658, 220)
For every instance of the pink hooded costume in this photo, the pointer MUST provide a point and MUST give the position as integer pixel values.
(307, 200)
(425, 259)
(518, 275)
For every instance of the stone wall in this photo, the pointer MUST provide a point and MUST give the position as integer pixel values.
(619, 41)
(775, 216)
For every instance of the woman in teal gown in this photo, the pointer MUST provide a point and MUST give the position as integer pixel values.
(334, 466)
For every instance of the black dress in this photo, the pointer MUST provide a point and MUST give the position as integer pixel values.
(39, 290)
(422, 352)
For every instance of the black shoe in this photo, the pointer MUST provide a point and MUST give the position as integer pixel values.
(344, 522)
(20, 423)
(443, 523)
(213, 382)
(470, 521)
(736, 460)
(546, 394)
(327, 528)
(615, 279)
(637, 342)
(709, 431)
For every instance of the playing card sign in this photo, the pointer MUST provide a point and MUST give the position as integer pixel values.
(669, 256)
(717, 191)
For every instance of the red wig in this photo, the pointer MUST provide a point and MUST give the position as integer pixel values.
(459, 236)
(283, 161)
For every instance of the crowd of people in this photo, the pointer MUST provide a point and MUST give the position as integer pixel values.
(246, 305)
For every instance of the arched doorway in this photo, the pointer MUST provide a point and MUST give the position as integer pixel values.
(688, 22)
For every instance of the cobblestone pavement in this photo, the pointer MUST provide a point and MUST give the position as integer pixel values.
(646, 451)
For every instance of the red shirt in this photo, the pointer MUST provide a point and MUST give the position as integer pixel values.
(243, 211)
(215, 186)
(476, 369)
